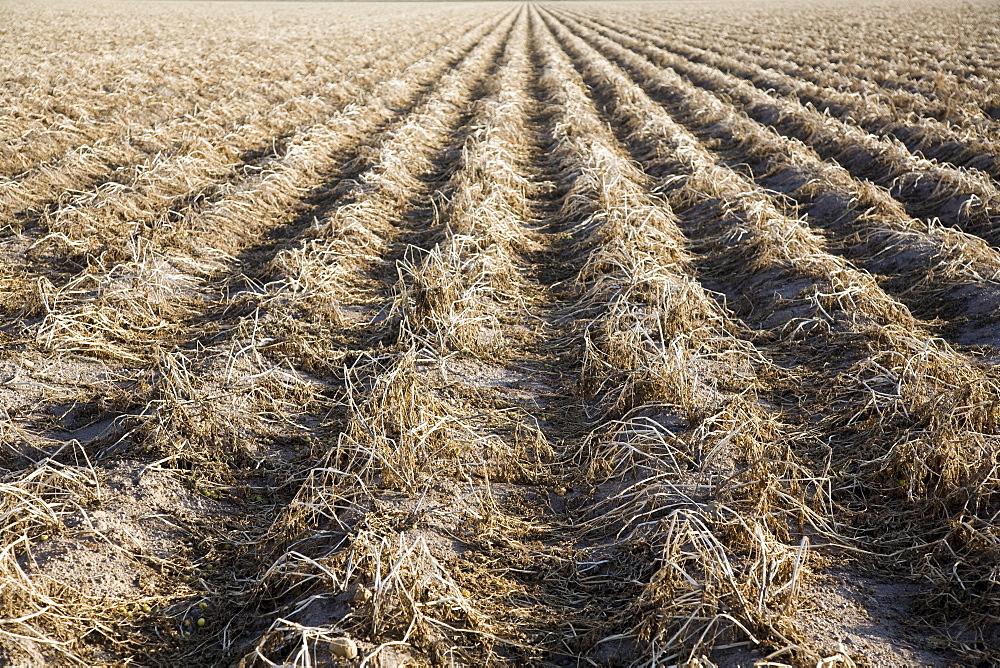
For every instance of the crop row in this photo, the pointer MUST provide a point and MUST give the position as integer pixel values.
(926, 75)
(126, 92)
(189, 412)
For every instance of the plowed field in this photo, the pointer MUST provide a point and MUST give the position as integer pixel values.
(567, 334)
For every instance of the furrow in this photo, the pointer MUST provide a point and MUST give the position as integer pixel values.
(937, 271)
(111, 167)
(926, 136)
(162, 192)
(149, 202)
(973, 121)
(122, 98)
(675, 390)
(415, 470)
(96, 312)
(219, 420)
(964, 198)
(917, 440)
(835, 56)
(451, 296)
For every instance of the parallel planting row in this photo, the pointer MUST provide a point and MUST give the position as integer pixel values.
(489, 334)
